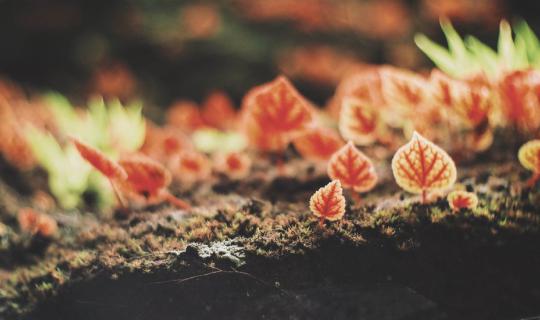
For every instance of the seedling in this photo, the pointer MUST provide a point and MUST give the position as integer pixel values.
(34, 222)
(462, 200)
(353, 169)
(148, 179)
(218, 111)
(470, 57)
(192, 166)
(359, 121)
(273, 114)
(421, 166)
(109, 168)
(529, 157)
(234, 165)
(328, 203)
(317, 144)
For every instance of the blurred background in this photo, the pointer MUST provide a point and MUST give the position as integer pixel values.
(163, 50)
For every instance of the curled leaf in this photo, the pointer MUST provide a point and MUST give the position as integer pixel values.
(462, 200)
(328, 202)
(352, 168)
(421, 166)
(317, 143)
(529, 157)
(99, 160)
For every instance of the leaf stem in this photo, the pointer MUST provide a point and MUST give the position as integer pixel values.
(119, 197)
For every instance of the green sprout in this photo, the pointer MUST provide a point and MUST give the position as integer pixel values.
(110, 127)
(468, 57)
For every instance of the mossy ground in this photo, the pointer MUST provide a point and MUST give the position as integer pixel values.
(259, 233)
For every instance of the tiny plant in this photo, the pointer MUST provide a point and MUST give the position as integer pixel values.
(359, 121)
(353, 169)
(469, 57)
(235, 165)
(148, 179)
(33, 222)
(274, 113)
(109, 168)
(192, 166)
(460, 199)
(529, 157)
(328, 203)
(317, 144)
(421, 166)
(109, 127)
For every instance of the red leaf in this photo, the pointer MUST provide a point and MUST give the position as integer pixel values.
(317, 143)
(420, 166)
(277, 111)
(404, 88)
(98, 160)
(234, 165)
(192, 166)
(520, 98)
(462, 200)
(218, 111)
(328, 202)
(34, 222)
(145, 176)
(364, 85)
(352, 168)
(359, 121)
(185, 115)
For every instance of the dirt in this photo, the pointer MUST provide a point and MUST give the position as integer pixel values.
(252, 250)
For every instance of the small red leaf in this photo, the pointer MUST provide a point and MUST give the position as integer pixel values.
(318, 143)
(462, 200)
(192, 166)
(404, 89)
(420, 166)
(328, 202)
(352, 168)
(145, 176)
(34, 222)
(234, 165)
(99, 161)
(359, 121)
(364, 85)
(218, 111)
(185, 115)
(520, 94)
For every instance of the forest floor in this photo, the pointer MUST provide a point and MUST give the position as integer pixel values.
(252, 250)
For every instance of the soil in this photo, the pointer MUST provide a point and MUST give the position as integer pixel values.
(252, 250)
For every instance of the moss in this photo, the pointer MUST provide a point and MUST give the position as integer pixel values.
(236, 229)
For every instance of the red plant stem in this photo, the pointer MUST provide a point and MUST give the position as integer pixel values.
(424, 197)
(321, 222)
(355, 197)
(180, 204)
(280, 163)
(121, 201)
(532, 181)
